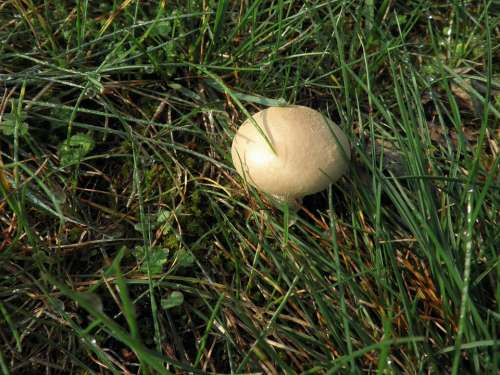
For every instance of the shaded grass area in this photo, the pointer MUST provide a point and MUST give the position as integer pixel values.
(129, 245)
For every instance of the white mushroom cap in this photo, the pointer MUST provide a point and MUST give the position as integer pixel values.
(310, 152)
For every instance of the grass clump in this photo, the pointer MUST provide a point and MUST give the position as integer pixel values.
(129, 245)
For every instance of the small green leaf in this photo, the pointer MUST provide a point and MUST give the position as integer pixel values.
(402, 19)
(161, 28)
(59, 113)
(184, 258)
(164, 221)
(74, 149)
(175, 298)
(140, 226)
(157, 259)
(8, 125)
(163, 216)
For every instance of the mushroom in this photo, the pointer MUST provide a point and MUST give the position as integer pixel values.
(289, 152)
